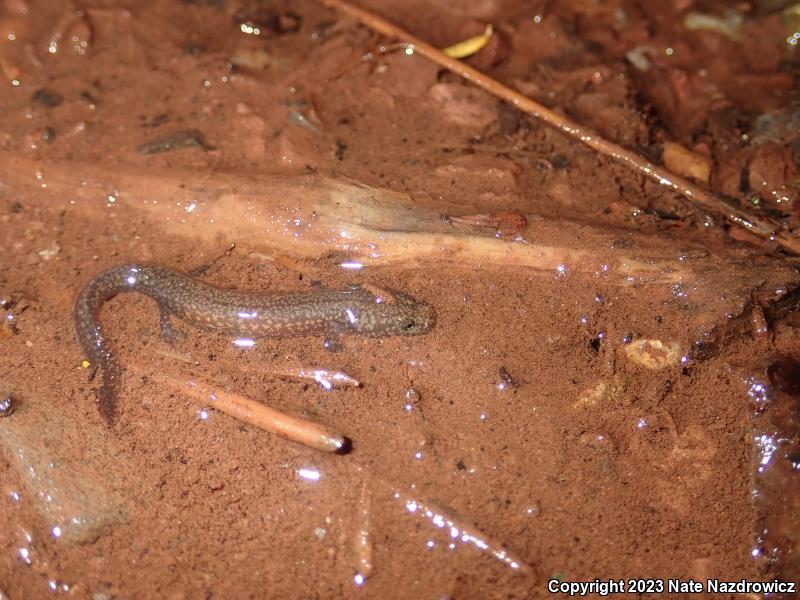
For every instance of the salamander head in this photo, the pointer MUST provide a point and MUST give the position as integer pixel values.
(398, 315)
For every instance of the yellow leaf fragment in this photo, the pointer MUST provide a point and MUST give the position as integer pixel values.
(470, 46)
(684, 162)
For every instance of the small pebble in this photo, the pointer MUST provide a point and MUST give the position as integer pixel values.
(47, 97)
(48, 135)
(188, 138)
(533, 510)
(560, 162)
(507, 378)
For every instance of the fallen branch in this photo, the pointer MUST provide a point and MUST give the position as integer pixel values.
(313, 217)
(692, 192)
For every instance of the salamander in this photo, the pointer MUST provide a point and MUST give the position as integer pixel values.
(361, 310)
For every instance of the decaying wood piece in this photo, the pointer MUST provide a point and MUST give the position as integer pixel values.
(313, 217)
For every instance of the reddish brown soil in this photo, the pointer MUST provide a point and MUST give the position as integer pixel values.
(654, 480)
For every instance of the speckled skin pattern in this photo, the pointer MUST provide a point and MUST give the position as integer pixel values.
(248, 314)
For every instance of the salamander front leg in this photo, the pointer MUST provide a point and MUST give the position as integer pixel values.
(332, 343)
(168, 331)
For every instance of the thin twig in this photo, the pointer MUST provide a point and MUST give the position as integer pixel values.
(253, 412)
(692, 192)
(363, 541)
(175, 355)
(327, 378)
(458, 529)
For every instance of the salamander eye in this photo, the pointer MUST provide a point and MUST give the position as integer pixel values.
(408, 325)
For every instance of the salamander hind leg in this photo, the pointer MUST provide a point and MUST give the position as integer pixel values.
(171, 335)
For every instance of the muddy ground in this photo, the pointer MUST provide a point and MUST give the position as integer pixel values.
(601, 396)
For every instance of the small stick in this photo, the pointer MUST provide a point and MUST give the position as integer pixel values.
(255, 413)
(174, 355)
(363, 541)
(326, 378)
(694, 193)
(457, 528)
(200, 270)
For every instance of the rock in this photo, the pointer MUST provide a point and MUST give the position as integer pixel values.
(296, 148)
(79, 499)
(772, 174)
(653, 354)
(47, 97)
(534, 40)
(683, 99)
(252, 136)
(403, 76)
(620, 124)
(464, 105)
(603, 392)
(256, 59)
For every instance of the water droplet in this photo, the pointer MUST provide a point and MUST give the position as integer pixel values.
(596, 440)
(7, 405)
(309, 474)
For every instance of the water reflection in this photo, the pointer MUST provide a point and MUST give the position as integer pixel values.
(309, 474)
(458, 531)
(776, 479)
